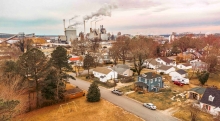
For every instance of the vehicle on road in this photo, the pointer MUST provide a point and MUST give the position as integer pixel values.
(178, 83)
(150, 106)
(117, 92)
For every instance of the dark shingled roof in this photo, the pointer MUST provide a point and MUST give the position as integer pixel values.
(214, 93)
(199, 90)
(187, 64)
(181, 71)
(165, 59)
(150, 75)
(163, 67)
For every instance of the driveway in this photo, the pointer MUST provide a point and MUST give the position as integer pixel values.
(126, 103)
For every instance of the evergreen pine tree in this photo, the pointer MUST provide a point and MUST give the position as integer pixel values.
(203, 77)
(93, 93)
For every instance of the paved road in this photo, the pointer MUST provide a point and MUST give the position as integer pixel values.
(127, 103)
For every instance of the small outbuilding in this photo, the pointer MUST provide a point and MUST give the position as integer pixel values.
(196, 93)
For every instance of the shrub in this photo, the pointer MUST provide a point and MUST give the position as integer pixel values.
(127, 79)
(93, 94)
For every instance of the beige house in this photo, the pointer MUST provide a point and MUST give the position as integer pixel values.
(104, 74)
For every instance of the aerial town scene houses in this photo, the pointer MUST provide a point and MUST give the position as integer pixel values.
(110, 60)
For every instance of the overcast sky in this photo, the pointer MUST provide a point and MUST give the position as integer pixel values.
(45, 17)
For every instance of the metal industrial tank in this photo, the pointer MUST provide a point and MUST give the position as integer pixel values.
(70, 33)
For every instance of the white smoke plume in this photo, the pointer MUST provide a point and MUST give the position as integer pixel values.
(103, 11)
(74, 17)
(75, 24)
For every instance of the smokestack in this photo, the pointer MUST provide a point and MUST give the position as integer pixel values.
(64, 25)
(84, 26)
(97, 21)
(91, 24)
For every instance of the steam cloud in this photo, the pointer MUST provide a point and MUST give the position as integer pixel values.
(76, 23)
(74, 17)
(104, 11)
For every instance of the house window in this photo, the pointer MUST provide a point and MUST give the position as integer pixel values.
(207, 107)
(211, 98)
(151, 81)
(139, 79)
(152, 87)
(145, 80)
(158, 79)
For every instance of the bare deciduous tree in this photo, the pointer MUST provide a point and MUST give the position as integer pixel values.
(141, 49)
(123, 45)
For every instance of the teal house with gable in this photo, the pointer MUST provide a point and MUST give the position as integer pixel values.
(150, 81)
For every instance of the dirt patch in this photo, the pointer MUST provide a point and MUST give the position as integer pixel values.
(80, 111)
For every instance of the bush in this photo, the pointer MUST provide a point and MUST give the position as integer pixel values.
(161, 73)
(93, 94)
(133, 70)
(127, 80)
(105, 84)
(140, 92)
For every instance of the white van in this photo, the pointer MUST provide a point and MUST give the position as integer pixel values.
(181, 79)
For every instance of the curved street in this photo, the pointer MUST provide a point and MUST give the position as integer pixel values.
(126, 103)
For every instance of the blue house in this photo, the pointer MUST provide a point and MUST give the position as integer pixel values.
(150, 81)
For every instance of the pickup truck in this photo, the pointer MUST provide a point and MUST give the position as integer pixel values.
(117, 92)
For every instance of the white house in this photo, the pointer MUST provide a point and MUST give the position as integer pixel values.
(184, 66)
(210, 101)
(165, 69)
(165, 61)
(193, 61)
(104, 74)
(123, 69)
(178, 73)
(152, 64)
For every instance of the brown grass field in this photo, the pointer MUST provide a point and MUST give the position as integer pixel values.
(84, 111)
(185, 115)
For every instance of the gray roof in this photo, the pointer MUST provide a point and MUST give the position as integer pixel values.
(163, 67)
(214, 93)
(199, 90)
(103, 70)
(181, 71)
(120, 68)
(150, 75)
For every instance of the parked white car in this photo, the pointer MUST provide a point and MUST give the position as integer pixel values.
(150, 106)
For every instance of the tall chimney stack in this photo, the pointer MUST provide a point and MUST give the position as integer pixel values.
(85, 27)
(64, 25)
